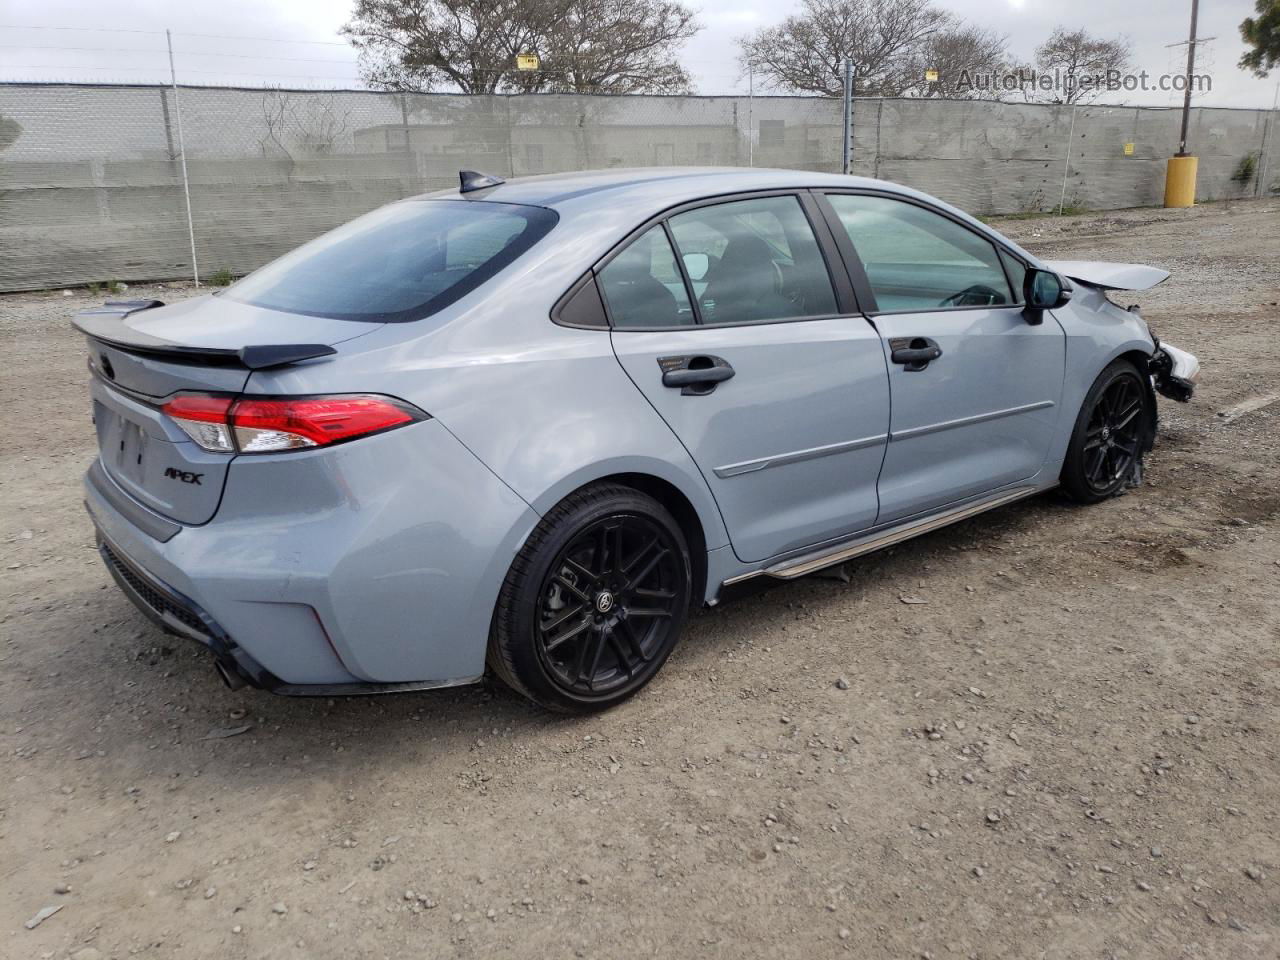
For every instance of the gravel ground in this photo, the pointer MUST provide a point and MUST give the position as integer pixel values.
(1070, 749)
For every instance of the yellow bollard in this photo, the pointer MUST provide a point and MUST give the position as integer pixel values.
(1180, 182)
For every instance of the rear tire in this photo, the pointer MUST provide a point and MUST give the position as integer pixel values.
(1112, 432)
(594, 602)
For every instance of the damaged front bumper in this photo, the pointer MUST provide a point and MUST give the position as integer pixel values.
(1174, 372)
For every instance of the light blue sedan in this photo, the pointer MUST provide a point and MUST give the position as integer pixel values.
(531, 424)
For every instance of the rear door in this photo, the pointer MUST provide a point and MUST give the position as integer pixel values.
(975, 388)
(727, 318)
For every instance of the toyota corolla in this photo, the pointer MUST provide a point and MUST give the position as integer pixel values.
(531, 424)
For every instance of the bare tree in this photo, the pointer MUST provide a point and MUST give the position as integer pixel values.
(414, 45)
(586, 46)
(312, 125)
(806, 53)
(1073, 66)
(969, 61)
(618, 46)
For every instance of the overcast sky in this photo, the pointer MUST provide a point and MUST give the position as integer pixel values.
(236, 41)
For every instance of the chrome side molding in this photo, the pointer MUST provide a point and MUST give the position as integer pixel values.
(969, 421)
(812, 453)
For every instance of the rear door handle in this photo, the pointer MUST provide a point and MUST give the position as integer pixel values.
(914, 353)
(696, 375)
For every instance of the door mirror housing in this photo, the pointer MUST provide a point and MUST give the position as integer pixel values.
(1043, 290)
(696, 265)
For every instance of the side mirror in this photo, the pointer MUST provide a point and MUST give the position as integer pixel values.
(1043, 290)
(696, 265)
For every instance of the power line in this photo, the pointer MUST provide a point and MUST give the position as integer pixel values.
(72, 68)
(234, 73)
(219, 36)
(307, 85)
(211, 36)
(254, 56)
(215, 36)
(18, 26)
(188, 53)
(24, 46)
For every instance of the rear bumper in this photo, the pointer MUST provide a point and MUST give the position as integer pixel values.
(368, 567)
(181, 615)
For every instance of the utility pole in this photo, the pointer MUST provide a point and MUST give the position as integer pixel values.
(1191, 66)
(1180, 170)
(1066, 164)
(1261, 189)
(846, 158)
(182, 153)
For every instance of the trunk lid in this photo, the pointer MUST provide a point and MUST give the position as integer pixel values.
(151, 459)
(141, 354)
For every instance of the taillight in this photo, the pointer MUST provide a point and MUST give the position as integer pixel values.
(274, 424)
(204, 419)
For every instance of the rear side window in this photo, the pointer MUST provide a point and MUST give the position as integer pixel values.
(402, 262)
(754, 260)
(916, 259)
(643, 287)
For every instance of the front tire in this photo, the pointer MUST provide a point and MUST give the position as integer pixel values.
(1112, 432)
(594, 602)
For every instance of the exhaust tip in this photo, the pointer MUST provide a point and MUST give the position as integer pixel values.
(230, 677)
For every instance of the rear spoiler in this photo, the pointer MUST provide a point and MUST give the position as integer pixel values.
(106, 325)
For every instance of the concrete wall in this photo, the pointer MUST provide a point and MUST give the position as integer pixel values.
(91, 189)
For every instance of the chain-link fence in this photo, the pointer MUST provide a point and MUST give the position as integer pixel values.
(91, 181)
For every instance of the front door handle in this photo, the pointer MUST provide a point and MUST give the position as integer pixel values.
(696, 376)
(914, 353)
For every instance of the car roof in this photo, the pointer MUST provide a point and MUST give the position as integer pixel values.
(630, 196)
(666, 185)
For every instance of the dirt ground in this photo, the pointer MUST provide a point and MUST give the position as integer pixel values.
(1072, 749)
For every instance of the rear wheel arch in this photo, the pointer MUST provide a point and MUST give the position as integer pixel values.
(685, 496)
(685, 514)
(675, 500)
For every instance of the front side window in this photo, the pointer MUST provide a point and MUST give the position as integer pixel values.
(753, 260)
(643, 287)
(401, 262)
(916, 259)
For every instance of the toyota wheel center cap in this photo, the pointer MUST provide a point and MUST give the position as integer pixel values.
(604, 601)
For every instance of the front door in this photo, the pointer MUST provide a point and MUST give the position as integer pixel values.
(726, 319)
(974, 387)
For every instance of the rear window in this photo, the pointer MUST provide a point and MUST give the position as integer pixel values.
(401, 262)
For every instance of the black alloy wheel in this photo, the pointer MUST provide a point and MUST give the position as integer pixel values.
(1112, 433)
(608, 603)
(595, 601)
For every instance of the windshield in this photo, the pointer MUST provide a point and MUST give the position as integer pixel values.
(401, 262)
